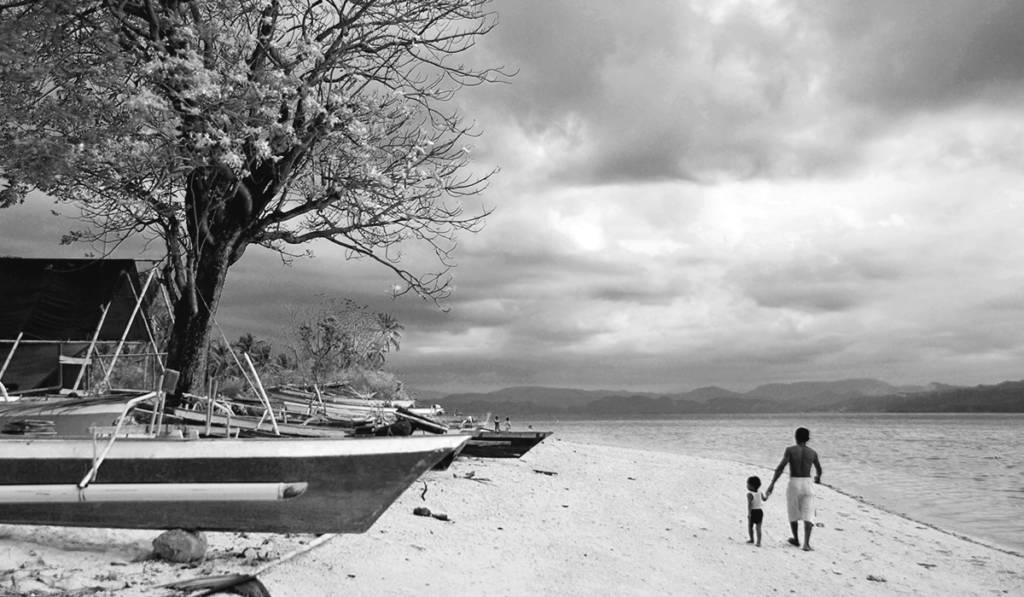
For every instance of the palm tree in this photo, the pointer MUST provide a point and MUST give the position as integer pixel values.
(219, 362)
(390, 331)
(258, 350)
(389, 335)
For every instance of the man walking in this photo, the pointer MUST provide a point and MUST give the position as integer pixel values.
(800, 491)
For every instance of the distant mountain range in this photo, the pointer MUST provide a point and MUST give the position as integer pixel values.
(848, 395)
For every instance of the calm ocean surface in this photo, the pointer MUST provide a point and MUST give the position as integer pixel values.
(960, 472)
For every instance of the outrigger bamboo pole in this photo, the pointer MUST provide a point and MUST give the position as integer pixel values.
(150, 492)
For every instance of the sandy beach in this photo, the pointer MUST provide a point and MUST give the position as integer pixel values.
(567, 519)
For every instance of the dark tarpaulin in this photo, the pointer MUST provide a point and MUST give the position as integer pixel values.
(61, 300)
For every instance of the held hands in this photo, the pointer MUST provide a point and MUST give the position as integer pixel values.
(768, 492)
(817, 479)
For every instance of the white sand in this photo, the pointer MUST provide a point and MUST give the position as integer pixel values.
(611, 522)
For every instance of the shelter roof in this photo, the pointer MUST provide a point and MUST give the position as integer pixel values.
(62, 299)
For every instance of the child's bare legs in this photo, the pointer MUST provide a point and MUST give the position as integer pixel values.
(750, 529)
(758, 534)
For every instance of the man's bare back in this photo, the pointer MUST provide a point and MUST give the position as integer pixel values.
(801, 459)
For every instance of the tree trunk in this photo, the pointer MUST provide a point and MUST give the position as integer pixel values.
(186, 352)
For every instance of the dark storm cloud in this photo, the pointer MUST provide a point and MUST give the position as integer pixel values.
(262, 295)
(658, 94)
(837, 282)
(922, 54)
(674, 92)
(561, 51)
(624, 369)
(28, 228)
(805, 296)
(521, 292)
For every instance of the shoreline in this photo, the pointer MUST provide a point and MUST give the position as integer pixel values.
(567, 518)
(982, 541)
(935, 472)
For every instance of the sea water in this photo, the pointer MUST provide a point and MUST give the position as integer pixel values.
(959, 472)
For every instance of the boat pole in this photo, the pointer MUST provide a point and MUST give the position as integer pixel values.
(92, 346)
(149, 329)
(7, 361)
(127, 328)
(98, 460)
(320, 399)
(234, 356)
(262, 393)
(211, 397)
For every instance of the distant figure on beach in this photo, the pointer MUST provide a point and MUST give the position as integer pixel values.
(755, 513)
(800, 491)
(508, 424)
(497, 424)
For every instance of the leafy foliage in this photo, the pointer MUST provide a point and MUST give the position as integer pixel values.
(338, 334)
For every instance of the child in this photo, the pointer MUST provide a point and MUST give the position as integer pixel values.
(755, 515)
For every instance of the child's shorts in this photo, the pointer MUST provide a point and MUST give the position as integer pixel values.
(756, 516)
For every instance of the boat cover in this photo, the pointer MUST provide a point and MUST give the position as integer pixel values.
(61, 301)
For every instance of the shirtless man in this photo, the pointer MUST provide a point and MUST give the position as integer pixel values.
(799, 492)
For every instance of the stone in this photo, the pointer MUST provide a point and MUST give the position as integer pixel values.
(180, 546)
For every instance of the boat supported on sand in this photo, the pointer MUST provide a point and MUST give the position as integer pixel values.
(254, 484)
(502, 444)
(484, 443)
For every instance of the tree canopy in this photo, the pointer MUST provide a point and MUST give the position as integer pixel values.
(214, 125)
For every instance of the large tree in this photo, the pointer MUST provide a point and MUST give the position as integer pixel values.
(215, 125)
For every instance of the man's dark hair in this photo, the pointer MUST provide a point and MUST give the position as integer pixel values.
(754, 482)
(802, 435)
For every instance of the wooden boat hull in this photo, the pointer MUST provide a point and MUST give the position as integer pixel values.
(502, 444)
(447, 460)
(349, 483)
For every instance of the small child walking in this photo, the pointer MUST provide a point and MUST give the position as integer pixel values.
(755, 513)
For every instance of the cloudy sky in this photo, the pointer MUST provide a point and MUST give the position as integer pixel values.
(717, 192)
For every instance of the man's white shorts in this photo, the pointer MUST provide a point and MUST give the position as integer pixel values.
(800, 499)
